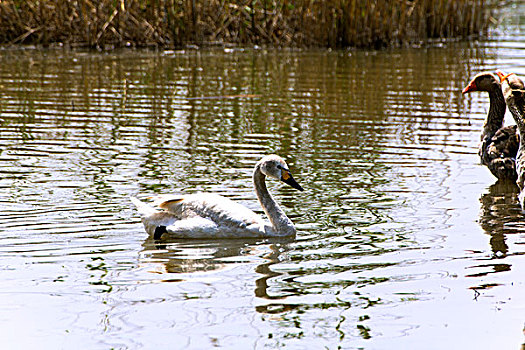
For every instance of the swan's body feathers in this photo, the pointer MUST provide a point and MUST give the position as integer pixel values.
(208, 205)
(202, 216)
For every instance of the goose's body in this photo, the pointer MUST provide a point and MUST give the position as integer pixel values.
(499, 144)
(207, 215)
(513, 91)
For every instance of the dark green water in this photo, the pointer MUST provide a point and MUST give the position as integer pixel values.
(404, 242)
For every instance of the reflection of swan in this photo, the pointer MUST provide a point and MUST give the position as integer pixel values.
(192, 255)
(208, 215)
(499, 144)
(514, 93)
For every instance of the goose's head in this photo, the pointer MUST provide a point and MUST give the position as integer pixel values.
(275, 167)
(513, 90)
(485, 81)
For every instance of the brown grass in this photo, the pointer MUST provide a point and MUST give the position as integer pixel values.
(173, 23)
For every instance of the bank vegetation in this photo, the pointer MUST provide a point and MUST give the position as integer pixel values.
(175, 23)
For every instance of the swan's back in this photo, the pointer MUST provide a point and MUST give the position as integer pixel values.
(221, 210)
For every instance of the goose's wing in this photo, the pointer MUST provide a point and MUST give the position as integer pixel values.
(505, 142)
(501, 151)
(218, 209)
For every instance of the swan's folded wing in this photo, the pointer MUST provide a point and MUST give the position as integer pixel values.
(220, 210)
(165, 200)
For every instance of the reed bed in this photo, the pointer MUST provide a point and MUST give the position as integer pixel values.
(175, 23)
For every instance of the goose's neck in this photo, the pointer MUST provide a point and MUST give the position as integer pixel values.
(496, 113)
(518, 113)
(281, 224)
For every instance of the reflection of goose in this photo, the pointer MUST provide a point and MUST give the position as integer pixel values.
(208, 215)
(499, 144)
(514, 93)
(500, 214)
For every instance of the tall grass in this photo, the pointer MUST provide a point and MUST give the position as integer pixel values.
(171, 23)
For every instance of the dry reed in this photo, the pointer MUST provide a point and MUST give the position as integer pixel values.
(173, 23)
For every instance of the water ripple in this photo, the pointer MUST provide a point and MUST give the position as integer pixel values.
(397, 221)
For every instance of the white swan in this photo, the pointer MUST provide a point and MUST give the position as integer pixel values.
(207, 215)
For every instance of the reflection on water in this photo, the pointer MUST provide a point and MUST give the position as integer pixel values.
(500, 215)
(398, 220)
(190, 256)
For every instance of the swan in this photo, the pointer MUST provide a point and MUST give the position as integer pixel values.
(207, 215)
(499, 144)
(513, 91)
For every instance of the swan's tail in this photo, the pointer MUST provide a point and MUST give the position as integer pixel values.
(143, 208)
(155, 221)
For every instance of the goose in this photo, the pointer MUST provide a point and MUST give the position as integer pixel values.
(208, 215)
(499, 144)
(513, 91)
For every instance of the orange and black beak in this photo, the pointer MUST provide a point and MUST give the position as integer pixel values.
(502, 76)
(287, 178)
(470, 87)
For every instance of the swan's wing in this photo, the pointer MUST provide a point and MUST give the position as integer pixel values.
(171, 203)
(199, 216)
(220, 210)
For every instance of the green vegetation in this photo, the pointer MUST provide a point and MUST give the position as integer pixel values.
(172, 23)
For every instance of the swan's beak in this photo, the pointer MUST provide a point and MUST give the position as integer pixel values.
(287, 178)
(470, 87)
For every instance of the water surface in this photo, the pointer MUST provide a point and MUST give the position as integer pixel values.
(404, 239)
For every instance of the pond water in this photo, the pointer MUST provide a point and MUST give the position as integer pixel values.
(404, 239)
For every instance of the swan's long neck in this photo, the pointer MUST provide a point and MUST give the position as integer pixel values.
(496, 113)
(281, 224)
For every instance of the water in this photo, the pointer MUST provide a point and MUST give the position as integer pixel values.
(405, 240)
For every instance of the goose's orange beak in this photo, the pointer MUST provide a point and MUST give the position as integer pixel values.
(502, 76)
(470, 87)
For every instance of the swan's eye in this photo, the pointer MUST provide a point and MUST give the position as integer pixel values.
(279, 166)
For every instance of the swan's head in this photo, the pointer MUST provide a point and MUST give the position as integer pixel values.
(485, 81)
(275, 167)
